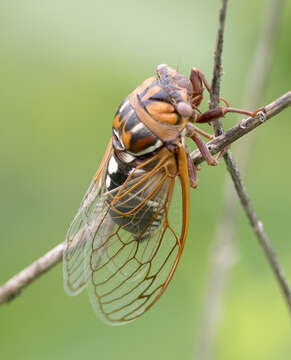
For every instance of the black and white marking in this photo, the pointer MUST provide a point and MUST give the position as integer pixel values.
(144, 220)
(117, 172)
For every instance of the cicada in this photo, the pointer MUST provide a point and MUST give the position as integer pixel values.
(122, 244)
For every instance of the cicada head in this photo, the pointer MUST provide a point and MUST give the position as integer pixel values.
(167, 97)
(177, 89)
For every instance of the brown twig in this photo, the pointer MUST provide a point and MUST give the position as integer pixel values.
(217, 67)
(14, 286)
(224, 249)
(258, 229)
(249, 209)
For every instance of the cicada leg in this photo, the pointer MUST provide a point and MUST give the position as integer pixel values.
(210, 116)
(192, 172)
(220, 111)
(192, 133)
(203, 147)
(198, 79)
(202, 132)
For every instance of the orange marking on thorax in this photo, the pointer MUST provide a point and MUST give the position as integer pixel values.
(163, 112)
(145, 84)
(166, 132)
(152, 91)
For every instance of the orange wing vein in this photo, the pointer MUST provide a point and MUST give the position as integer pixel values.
(123, 243)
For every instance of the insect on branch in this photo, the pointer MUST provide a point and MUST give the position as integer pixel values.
(14, 286)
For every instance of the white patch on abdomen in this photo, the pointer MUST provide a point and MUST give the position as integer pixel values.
(112, 166)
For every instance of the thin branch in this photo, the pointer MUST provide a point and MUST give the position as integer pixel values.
(224, 249)
(258, 229)
(217, 67)
(14, 286)
(253, 218)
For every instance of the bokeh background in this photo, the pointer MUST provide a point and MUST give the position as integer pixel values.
(65, 65)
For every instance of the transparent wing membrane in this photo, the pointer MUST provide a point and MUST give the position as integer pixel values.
(122, 242)
(76, 258)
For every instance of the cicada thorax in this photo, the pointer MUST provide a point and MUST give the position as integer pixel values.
(146, 122)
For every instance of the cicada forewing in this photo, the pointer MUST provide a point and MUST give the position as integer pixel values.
(124, 243)
(76, 258)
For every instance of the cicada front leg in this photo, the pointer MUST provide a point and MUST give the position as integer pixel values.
(193, 134)
(209, 116)
(202, 132)
(192, 172)
(210, 137)
(220, 111)
(198, 79)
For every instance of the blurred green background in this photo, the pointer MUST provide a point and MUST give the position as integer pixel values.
(65, 67)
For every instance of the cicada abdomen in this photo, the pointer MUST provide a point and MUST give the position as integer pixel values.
(137, 208)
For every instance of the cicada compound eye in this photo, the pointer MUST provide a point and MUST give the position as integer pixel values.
(184, 109)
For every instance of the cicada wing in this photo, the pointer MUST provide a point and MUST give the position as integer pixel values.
(76, 257)
(132, 264)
